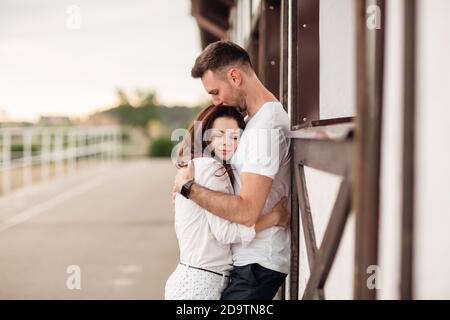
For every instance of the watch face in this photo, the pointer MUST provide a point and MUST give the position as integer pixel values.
(185, 189)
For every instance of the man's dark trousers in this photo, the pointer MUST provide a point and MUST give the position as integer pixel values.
(253, 282)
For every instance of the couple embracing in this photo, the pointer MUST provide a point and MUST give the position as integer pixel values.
(232, 187)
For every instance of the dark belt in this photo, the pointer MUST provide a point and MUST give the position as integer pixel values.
(219, 274)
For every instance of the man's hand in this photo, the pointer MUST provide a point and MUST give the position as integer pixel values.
(183, 175)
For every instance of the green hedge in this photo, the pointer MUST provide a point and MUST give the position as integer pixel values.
(161, 147)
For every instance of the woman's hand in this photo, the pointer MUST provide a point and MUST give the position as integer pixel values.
(282, 213)
(279, 216)
(183, 175)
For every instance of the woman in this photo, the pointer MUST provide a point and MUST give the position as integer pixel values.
(205, 239)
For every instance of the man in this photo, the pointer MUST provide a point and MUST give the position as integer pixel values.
(263, 170)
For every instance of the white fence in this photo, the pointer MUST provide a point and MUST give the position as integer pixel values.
(41, 148)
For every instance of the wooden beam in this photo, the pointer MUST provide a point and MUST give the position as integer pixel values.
(331, 240)
(307, 54)
(273, 47)
(212, 19)
(334, 156)
(409, 119)
(307, 222)
(306, 216)
(284, 47)
(295, 237)
(228, 3)
(370, 67)
(293, 98)
(330, 156)
(210, 27)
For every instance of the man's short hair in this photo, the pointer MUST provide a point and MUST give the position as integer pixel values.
(218, 55)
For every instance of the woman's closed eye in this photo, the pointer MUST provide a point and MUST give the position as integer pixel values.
(216, 134)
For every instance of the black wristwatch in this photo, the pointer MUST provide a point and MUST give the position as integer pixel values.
(186, 188)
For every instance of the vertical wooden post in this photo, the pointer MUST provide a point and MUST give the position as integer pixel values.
(369, 82)
(409, 119)
(308, 61)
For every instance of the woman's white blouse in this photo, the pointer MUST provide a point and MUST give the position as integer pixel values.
(204, 238)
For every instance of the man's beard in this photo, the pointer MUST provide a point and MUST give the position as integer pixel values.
(242, 109)
(241, 105)
(238, 102)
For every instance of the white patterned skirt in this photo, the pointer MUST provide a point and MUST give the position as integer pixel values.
(187, 283)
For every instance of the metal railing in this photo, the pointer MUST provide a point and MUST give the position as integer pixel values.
(31, 149)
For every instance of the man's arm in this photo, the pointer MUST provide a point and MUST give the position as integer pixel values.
(243, 209)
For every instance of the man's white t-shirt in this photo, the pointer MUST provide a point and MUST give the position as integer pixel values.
(264, 149)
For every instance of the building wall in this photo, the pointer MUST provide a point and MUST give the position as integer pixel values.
(241, 21)
(432, 236)
(322, 192)
(391, 156)
(337, 58)
(337, 99)
(432, 203)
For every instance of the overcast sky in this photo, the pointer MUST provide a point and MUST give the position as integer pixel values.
(54, 63)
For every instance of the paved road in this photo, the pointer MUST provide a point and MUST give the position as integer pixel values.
(115, 223)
